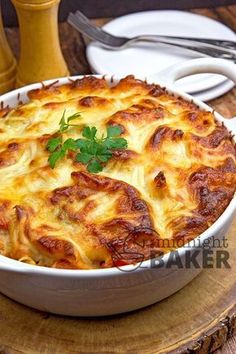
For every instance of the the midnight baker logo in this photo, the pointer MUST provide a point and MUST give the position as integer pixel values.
(134, 248)
(143, 244)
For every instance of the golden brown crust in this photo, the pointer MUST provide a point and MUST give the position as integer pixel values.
(175, 179)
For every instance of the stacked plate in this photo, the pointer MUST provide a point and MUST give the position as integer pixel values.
(147, 60)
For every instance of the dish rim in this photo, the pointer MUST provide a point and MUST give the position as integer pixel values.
(9, 264)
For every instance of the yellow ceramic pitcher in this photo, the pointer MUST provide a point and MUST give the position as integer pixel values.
(40, 55)
(7, 62)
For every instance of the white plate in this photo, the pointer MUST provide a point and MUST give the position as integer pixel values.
(147, 59)
(216, 91)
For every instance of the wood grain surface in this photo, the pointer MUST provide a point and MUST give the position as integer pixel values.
(206, 305)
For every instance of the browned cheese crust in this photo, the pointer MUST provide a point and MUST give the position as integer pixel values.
(175, 179)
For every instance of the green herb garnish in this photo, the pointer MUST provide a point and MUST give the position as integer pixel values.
(59, 149)
(56, 146)
(93, 151)
(65, 122)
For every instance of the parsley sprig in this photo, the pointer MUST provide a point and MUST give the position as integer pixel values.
(95, 151)
(65, 122)
(56, 146)
(91, 150)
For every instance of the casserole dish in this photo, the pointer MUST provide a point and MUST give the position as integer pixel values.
(98, 292)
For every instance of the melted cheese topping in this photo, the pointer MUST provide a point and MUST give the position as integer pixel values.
(174, 180)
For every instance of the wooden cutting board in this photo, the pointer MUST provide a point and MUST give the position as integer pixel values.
(200, 317)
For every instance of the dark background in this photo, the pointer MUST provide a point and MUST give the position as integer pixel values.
(113, 8)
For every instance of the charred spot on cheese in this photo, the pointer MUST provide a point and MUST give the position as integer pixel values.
(228, 166)
(160, 180)
(207, 176)
(4, 112)
(57, 247)
(178, 134)
(54, 105)
(156, 91)
(163, 133)
(121, 154)
(20, 212)
(192, 116)
(138, 114)
(93, 101)
(213, 140)
(5, 214)
(202, 122)
(159, 136)
(175, 179)
(10, 155)
(209, 201)
(186, 227)
(45, 91)
(206, 187)
(90, 83)
(13, 146)
(130, 85)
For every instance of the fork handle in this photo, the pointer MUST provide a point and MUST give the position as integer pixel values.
(218, 42)
(202, 47)
(224, 44)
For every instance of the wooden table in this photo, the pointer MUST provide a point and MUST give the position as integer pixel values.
(73, 46)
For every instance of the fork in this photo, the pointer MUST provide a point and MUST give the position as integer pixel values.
(215, 48)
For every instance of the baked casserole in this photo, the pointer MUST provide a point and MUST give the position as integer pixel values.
(173, 180)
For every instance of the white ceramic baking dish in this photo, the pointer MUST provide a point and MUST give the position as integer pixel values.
(111, 291)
